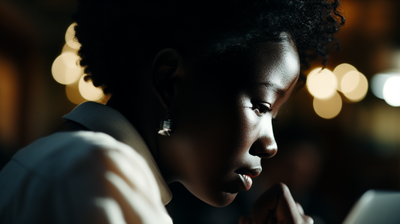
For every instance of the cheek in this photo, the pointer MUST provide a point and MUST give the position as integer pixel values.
(235, 138)
(214, 139)
(212, 156)
(246, 129)
(214, 131)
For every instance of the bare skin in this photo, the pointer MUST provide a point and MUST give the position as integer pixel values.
(222, 123)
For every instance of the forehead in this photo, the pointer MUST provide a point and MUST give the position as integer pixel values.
(274, 64)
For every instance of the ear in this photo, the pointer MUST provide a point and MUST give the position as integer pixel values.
(164, 72)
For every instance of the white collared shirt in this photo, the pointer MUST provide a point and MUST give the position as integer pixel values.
(105, 175)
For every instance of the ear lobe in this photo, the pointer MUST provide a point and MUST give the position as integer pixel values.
(164, 72)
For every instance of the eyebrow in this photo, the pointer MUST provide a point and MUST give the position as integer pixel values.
(280, 92)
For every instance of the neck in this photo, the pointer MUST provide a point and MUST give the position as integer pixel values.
(141, 114)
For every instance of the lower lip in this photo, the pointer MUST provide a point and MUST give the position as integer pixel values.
(247, 181)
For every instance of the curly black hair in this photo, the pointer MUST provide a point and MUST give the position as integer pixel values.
(120, 36)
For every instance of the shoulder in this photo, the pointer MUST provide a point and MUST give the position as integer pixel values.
(60, 153)
(105, 180)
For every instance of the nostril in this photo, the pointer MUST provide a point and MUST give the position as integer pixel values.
(266, 155)
(262, 150)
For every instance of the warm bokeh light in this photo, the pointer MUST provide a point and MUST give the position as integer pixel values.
(65, 68)
(391, 91)
(321, 84)
(341, 70)
(88, 91)
(10, 94)
(379, 80)
(73, 93)
(67, 48)
(360, 82)
(70, 37)
(328, 108)
(350, 81)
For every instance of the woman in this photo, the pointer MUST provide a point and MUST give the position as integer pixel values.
(215, 73)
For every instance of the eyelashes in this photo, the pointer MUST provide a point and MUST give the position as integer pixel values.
(261, 108)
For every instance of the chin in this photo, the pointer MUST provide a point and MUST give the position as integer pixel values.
(221, 199)
(212, 195)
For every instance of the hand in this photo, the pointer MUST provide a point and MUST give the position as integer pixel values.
(276, 206)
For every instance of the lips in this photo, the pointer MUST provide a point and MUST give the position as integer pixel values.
(242, 181)
(246, 180)
(246, 175)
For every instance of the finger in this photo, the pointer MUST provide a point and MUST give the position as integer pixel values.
(276, 205)
(307, 219)
(287, 208)
(264, 208)
(300, 208)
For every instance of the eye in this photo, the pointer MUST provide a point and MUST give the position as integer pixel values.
(261, 108)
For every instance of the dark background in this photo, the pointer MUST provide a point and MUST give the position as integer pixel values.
(328, 166)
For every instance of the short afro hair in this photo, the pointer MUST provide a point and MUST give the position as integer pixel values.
(119, 35)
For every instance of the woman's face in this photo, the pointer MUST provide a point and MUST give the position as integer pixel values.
(222, 116)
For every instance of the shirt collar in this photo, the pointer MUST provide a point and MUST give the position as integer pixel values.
(102, 118)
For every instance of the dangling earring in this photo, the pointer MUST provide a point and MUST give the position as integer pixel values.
(165, 126)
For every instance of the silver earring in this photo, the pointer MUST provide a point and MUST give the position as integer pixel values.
(165, 126)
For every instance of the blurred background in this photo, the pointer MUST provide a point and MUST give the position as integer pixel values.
(338, 136)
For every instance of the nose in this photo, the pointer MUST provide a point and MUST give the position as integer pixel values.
(265, 145)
